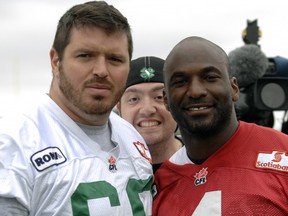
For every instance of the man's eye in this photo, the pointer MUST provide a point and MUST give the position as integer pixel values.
(83, 55)
(211, 77)
(132, 100)
(116, 59)
(159, 98)
(178, 82)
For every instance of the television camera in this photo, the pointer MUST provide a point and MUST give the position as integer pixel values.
(263, 81)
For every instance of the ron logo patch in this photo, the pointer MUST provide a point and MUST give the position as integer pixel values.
(51, 156)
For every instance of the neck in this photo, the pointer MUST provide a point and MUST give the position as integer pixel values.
(164, 150)
(202, 147)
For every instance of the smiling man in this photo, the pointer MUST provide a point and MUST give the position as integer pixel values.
(226, 167)
(142, 105)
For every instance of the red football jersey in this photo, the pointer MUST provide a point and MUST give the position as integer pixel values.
(246, 176)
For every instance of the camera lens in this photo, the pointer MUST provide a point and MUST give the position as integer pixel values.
(273, 95)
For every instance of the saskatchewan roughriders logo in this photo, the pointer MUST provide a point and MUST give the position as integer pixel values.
(147, 73)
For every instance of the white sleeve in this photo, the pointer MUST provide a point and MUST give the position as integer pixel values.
(11, 207)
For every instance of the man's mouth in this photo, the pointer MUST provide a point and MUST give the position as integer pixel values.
(197, 108)
(148, 123)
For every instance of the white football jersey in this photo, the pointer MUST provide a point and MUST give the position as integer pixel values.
(53, 168)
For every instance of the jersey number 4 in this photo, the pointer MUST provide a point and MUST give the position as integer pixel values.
(210, 204)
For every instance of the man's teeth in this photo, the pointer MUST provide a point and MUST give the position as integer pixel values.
(197, 108)
(148, 124)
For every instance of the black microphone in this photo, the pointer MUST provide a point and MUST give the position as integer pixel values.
(248, 63)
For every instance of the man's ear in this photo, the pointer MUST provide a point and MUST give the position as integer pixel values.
(165, 100)
(54, 60)
(235, 89)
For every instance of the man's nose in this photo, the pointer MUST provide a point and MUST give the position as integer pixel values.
(196, 89)
(100, 67)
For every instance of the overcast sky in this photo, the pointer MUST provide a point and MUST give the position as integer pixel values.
(28, 28)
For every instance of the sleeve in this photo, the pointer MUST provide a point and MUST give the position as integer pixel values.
(14, 172)
(11, 207)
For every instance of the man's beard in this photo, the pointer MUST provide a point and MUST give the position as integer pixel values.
(98, 105)
(219, 122)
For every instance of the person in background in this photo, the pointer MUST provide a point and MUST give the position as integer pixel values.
(226, 167)
(70, 155)
(142, 105)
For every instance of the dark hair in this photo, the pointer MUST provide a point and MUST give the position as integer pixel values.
(93, 13)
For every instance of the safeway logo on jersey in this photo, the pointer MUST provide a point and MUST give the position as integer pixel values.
(277, 160)
(48, 157)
